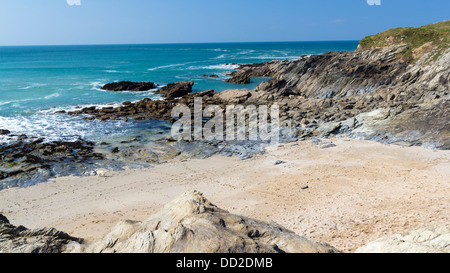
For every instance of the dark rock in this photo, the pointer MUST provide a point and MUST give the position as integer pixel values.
(3, 219)
(279, 162)
(176, 90)
(129, 86)
(4, 132)
(240, 79)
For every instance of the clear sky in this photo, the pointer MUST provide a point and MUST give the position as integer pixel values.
(55, 22)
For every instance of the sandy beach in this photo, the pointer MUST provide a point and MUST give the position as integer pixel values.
(347, 196)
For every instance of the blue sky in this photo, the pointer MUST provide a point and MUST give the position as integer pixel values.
(54, 22)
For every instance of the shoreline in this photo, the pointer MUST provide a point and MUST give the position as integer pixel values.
(347, 195)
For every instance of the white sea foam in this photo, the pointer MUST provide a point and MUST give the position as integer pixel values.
(34, 85)
(222, 56)
(246, 51)
(97, 85)
(273, 57)
(58, 127)
(215, 67)
(14, 101)
(78, 107)
(54, 95)
(116, 71)
(217, 49)
(164, 67)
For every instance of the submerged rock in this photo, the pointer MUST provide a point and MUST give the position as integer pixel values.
(22, 240)
(192, 224)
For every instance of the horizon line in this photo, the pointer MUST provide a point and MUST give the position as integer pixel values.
(178, 43)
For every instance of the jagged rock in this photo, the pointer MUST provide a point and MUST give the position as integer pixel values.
(423, 240)
(241, 79)
(4, 132)
(327, 129)
(424, 125)
(22, 240)
(234, 96)
(176, 90)
(191, 224)
(129, 86)
(26, 158)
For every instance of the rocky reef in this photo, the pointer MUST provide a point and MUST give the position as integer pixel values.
(28, 161)
(129, 86)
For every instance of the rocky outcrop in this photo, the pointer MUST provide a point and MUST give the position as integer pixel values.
(4, 132)
(346, 74)
(145, 109)
(176, 90)
(254, 70)
(129, 86)
(423, 240)
(423, 125)
(191, 224)
(241, 79)
(22, 240)
(341, 91)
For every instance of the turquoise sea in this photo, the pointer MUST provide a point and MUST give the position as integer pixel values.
(36, 81)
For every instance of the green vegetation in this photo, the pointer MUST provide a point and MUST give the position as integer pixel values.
(422, 40)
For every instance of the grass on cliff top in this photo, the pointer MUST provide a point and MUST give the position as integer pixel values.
(419, 40)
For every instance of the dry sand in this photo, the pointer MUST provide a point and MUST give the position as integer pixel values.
(357, 192)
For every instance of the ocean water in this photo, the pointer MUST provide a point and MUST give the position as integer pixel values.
(36, 81)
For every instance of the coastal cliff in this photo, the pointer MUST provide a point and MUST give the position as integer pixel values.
(376, 93)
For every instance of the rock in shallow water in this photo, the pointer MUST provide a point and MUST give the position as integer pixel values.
(129, 86)
(191, 224)
(4, 132)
